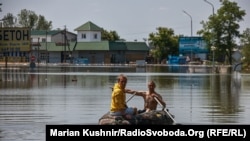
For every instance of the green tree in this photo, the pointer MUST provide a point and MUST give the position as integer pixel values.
(110, 36)
(28, 18)
(43, 24)
(9, 20)
(245, 41)
(222, 29)
(163, 43)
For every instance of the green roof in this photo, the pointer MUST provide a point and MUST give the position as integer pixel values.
(117, 46)
(96, 46)
(88, 26)
(52, 46)
(51, 32)
(136, 46)
(43, 32)
(92, 46)
(139, 46)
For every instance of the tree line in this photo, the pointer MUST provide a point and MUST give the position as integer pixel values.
(28, 18)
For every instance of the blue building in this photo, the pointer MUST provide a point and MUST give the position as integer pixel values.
(176, 60)
(193, 47)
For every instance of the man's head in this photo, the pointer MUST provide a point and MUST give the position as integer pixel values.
(151, 84)
(122, 80)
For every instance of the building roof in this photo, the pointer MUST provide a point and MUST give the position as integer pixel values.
(136, 46)
(88, 26)
(95, 46)
(51, 32)
(52, 46)
(117, 46)
(43, 32)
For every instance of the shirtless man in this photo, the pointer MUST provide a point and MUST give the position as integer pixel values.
(149, 102)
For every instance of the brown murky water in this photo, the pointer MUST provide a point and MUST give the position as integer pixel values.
(81, 95)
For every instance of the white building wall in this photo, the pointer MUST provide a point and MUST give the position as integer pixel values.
(86, 36)
(41, 37)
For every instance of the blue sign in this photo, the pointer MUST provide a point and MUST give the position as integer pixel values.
(192, 44)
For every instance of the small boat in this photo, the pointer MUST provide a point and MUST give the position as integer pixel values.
(154, 117)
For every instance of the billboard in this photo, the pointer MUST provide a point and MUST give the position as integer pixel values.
(192, 44)
(15, 39)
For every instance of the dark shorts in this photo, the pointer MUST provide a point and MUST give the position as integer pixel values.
(128, 111)
(141, 111)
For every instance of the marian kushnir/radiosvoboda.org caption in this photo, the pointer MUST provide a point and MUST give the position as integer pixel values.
(192, 131)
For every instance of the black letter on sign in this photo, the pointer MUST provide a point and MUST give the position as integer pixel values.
(18, 35)
(26, 35)
(5, 35)
(12, 36)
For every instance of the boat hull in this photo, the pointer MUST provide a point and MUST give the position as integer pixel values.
(147, 118)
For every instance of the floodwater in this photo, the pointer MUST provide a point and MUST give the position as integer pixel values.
(81, 95)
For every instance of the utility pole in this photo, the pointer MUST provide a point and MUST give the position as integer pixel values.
(64, 58)
(210, 4)
(191, 22)
(191, 32)
(38, 54)
(46, 48)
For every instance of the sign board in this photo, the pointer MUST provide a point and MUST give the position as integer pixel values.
(192, 44)
(15, 39)
(237, 56)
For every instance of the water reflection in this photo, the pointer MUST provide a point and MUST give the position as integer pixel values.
(81, 95)
(225, 98)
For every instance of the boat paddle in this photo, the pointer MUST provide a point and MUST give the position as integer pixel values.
(165, 110)
(131, 97)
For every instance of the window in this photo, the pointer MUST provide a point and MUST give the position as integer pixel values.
(43, 39)
(95, 36)
(43, 56)
(83, 36)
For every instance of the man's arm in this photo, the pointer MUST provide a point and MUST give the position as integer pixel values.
(159, 98)
(137, 93)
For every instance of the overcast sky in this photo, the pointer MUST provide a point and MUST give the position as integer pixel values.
(131, 19)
